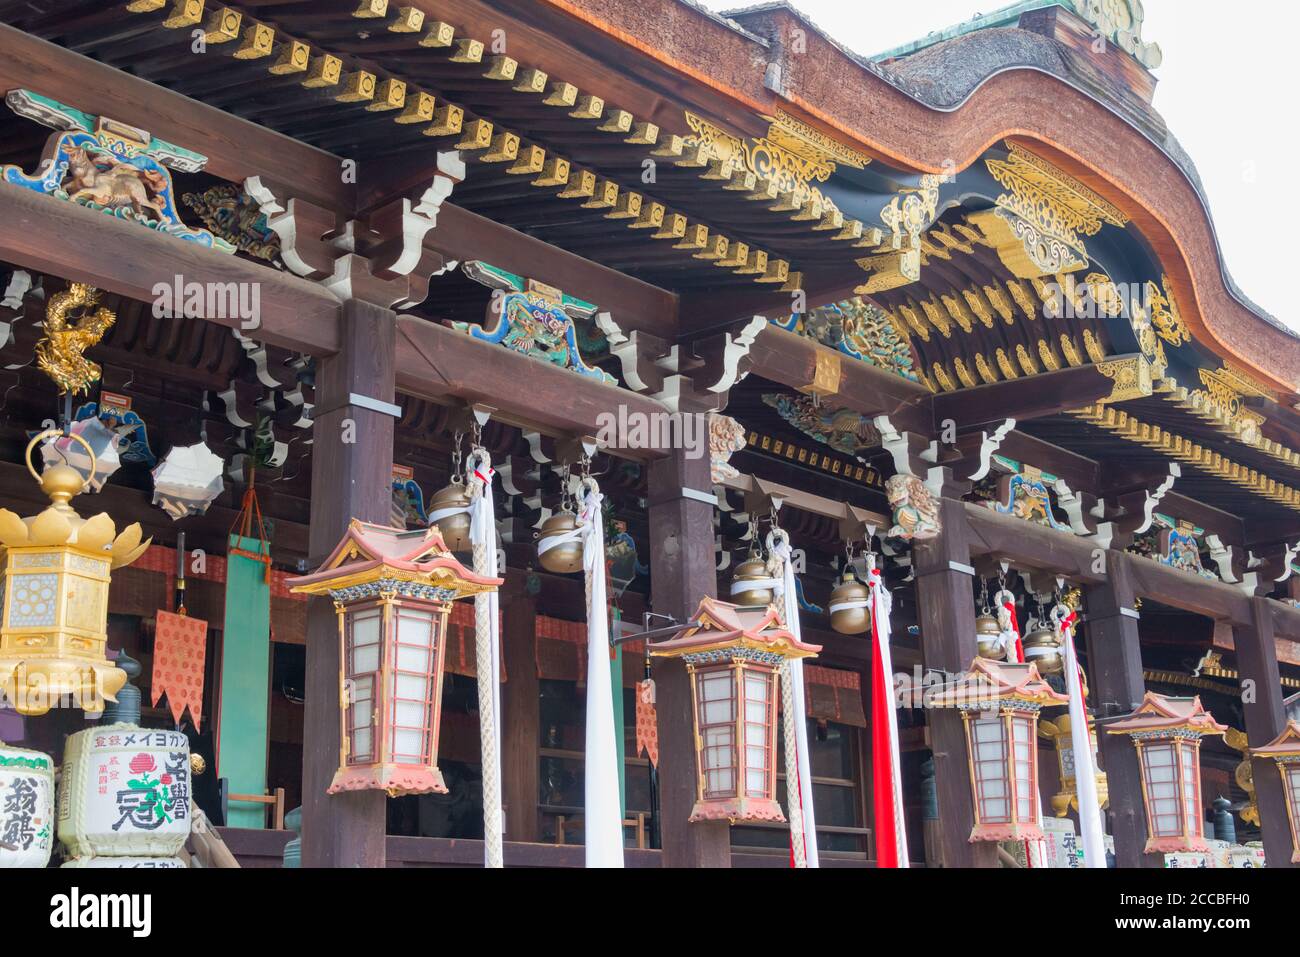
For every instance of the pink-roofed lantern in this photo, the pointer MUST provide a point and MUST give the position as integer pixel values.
(999, 704)
(1286, 752)
(393, 591)
(1167, 733)
(733, 656)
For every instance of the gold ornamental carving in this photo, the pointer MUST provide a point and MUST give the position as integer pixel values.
(72, 325)
(1131, 377)
(1040, 224)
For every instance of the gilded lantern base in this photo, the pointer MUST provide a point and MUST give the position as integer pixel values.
(32, 686)
(396, 779)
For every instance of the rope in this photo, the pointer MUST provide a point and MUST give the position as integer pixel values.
(798, 851)
(482, 536)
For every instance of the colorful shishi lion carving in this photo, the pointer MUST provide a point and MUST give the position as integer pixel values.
(842, 429)
(533, 319)
(102, 164)
(1025, 496)
(916, 512)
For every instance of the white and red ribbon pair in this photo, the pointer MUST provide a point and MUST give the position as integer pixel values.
(1085, 771)
(887, 779)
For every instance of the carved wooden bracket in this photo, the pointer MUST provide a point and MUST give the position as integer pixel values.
(378, 258)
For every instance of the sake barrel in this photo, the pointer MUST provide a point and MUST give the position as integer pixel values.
(26, 807)
(127, 862)
(125, 792)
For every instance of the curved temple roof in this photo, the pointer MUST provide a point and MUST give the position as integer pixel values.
(938, 104)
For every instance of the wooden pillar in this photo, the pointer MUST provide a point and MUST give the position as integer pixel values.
(682, 571)
(521, 707)
(946, 608)
(352, 459)
(1263, 703)
(1116, 687)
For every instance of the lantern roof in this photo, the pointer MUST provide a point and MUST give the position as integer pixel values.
(988, 681)
(1158, 712)
(1286, 745)
(719, 625)
(369, 553)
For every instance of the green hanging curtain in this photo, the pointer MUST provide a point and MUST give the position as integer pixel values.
(246, 665)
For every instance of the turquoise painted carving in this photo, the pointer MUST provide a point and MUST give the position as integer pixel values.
(100, 163)
(859, 329)
(534, 319)
(1024, 494)
(842, 429)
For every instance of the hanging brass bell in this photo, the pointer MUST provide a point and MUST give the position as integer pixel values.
(988, 638)
(855, 619)
(1043, 649)
(563, 558)
(753, 569)
(454, 527)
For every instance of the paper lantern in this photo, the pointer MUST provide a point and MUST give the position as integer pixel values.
(56, 575)
(999, 705)
(26, 807)
(187, 481)
(125, 792)
(733, 655)
(1286, 752)
(393, 591)
(1167, 733)
(97, 466)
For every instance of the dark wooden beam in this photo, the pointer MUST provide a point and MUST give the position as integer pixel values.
(235, 148)
(1116, 687)
(74, 242)
(946, 611)
(465, 236)
(682, 572)
(438, 363)
(351, 477)
(1263, 703)
(1023, 399)
(792, 361)
(520, 704)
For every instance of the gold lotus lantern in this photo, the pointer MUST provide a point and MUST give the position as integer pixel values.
(1167, 733)
(449, 510)
(1286, 752)
(57, 568)
(393, 591)
(850, 606)
(733, 655)
(999, 705)
(1058, 731)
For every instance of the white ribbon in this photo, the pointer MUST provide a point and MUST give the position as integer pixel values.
(778, 543)
(603, 806)
(1085, 771)
(483, 532)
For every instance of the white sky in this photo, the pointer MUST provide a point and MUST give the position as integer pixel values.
(1225, 90)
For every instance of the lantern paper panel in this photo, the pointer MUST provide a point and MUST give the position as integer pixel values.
(1167, 733)
(393, 592)
(733, 654)
(26, 807)
(125, 793)
(999, 704)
